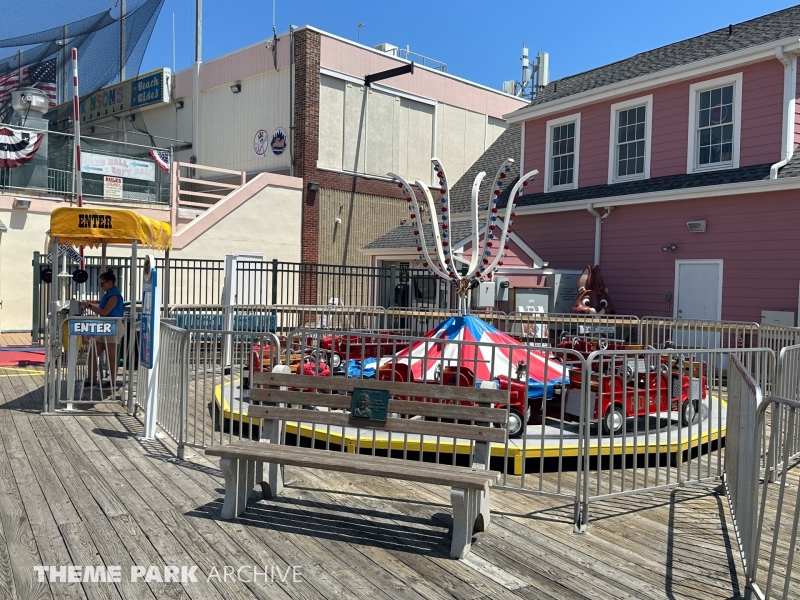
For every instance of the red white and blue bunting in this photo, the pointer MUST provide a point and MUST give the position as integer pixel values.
(17, 146)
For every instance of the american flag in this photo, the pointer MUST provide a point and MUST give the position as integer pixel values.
(161, 157)
(41, 75)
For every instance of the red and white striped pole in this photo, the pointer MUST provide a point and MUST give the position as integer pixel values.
(76, 118)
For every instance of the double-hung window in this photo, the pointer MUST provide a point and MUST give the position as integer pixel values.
(563, 143)
(629, 140)
(715, 109)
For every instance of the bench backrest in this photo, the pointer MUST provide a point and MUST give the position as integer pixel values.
(468, 408)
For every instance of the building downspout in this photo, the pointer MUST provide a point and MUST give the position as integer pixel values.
(789, 94)
(598, 228)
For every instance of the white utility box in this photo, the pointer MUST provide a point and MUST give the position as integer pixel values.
(777, 317)
(486, 294)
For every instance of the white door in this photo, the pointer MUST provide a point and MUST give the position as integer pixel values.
(698, 289)
(698, 295)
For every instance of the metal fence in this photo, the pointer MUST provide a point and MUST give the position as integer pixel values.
(196, 281)
(84, 369)
(585, 424)
(207, 404)
(51, 171)
(556, 329)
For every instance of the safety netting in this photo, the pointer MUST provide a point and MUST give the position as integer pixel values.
(35, 45)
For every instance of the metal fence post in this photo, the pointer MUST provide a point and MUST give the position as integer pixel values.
(274, 281)
(36, 299)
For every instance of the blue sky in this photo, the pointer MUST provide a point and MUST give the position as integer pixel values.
(480, 41)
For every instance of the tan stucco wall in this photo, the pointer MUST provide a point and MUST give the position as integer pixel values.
(269, 223)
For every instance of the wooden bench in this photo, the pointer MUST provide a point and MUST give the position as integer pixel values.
(242, 463)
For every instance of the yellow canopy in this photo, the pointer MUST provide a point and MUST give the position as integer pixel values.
(94, 226)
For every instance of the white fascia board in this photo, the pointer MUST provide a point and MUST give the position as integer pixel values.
(672, 75)
(342, 76)
(728, 189)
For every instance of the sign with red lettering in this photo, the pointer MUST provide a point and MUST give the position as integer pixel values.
(112, 187)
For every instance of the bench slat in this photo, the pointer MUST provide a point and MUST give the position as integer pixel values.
(402, 407)
(453, 430)
(277, 449)
(460, 477)
(398, 388)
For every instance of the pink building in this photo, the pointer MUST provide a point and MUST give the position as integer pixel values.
(675, 170)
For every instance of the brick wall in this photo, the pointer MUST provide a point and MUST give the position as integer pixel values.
(365, 217)
(306, 152)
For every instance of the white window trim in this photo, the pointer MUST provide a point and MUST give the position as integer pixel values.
(694, 91)
(647, 101)
(576, 118)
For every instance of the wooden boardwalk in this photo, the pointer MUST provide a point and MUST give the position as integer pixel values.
(82, 490)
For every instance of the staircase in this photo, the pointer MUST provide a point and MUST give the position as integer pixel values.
(200, 204)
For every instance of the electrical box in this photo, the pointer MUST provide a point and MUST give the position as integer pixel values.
(534, 300)
(564, 292)
(486, 294)
(502, 289)
(777, 317)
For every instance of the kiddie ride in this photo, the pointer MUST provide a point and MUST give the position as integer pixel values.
(628, 385)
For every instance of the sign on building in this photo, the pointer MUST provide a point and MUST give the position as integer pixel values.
(149, 89)
(117, 166)
(112, 187)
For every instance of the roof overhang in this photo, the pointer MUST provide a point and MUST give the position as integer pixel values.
(711, 191)
(659, 78)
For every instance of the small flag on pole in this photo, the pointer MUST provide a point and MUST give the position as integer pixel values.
(161, 157)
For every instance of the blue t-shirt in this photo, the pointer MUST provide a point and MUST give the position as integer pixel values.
(117, 311)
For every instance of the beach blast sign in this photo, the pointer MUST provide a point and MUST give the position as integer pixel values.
(149, 89)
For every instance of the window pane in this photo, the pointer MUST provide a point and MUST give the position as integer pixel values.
(727, 133)
(705, 99)
(705, 137)
(704, 118)
(640, 131)
(726, 114)
(716, 135)
(716, 97)
(640, 165)
(621, 135)
(704, 155)
(570, 161)
(622, 168)
(571, 130)
(640, 114)
(640, 149)
(623, 118)
(623, 151)
(727, 94)
(727, 152)
(568, 176)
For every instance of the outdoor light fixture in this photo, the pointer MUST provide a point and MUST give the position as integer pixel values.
(21, 203)
(90, 130)
(179, 104)
(130, 118)
(696, 226)
(236, 88)
(668, 248)
(313, 187)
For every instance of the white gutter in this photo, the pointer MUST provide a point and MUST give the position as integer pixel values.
(598, 228)
(789, 95)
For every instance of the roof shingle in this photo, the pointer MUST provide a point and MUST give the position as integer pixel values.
(774, 26)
